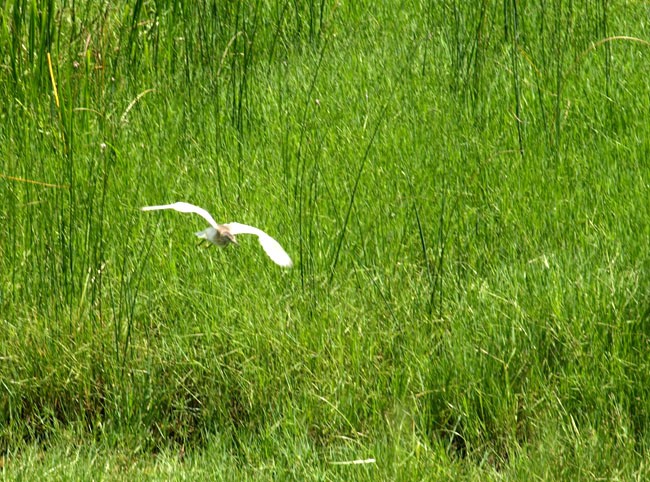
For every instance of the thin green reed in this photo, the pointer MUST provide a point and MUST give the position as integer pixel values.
(511, 28)
(14, 30)
(250, 25)
(299, 191)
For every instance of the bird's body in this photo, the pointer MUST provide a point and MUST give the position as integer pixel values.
(218, 236)
(224, 234)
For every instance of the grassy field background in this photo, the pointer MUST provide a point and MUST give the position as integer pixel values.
(463, 187)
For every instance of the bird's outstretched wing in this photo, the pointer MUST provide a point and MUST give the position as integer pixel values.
(270, 245)
(185, 208)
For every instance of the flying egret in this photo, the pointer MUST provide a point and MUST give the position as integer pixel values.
(224, 234)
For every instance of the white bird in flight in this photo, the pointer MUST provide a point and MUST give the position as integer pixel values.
(224, 234)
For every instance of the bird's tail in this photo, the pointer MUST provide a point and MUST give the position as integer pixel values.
(206, 236)
(203, 234)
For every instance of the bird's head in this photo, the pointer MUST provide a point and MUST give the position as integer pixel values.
(230, 237)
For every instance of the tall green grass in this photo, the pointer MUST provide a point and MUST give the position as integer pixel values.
(463, 187)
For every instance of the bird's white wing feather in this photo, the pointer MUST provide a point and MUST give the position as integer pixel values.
(270, 245)
(185, 208)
